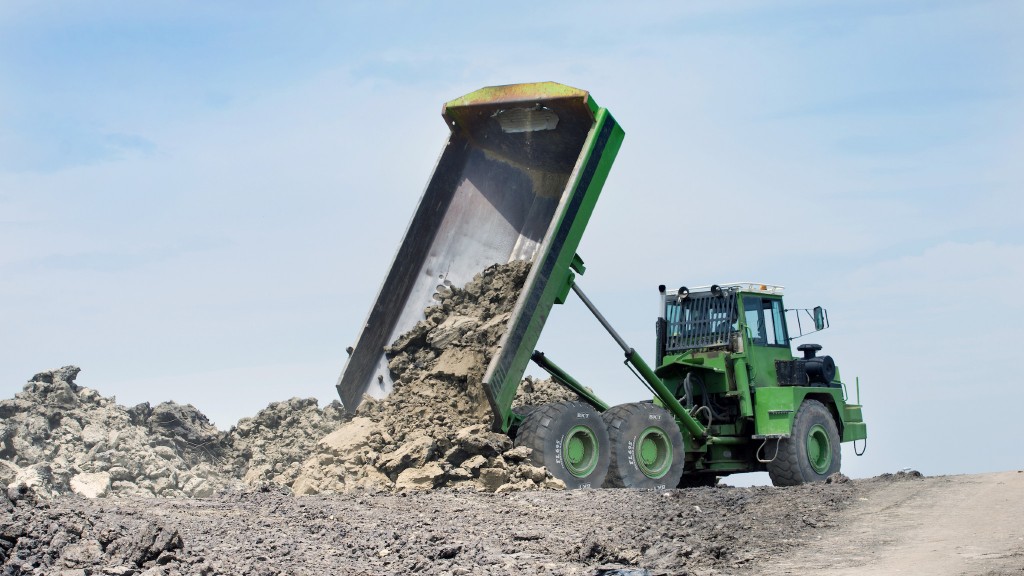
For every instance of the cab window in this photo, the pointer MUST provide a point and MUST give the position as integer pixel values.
(765, 318)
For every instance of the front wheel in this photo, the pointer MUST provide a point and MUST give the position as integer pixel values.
(570, 439)
(646, 447)
(812, 452)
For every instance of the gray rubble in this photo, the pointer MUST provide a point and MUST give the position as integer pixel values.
(58, 437)
(271, 446)
(434, 430)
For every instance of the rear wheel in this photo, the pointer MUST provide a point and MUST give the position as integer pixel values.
(646, 447)
(812, 452)
(570, 439)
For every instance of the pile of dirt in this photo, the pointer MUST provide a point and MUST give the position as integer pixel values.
(434, 429)
(901, 476)
(57, 436)
(271, 446)
(533, 392)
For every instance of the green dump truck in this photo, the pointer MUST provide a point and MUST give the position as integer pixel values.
(518, 180)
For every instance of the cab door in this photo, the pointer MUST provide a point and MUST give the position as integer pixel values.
(765, 337)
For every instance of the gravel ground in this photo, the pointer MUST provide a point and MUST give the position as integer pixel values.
(264, 531)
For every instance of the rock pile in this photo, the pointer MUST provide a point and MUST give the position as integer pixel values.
(902, 475)
(434, 428)
(271, 446)
(57, 436)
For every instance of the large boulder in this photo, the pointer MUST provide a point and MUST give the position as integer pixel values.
(424, 478)
(91, 484)
(413, 453)
(349, 440)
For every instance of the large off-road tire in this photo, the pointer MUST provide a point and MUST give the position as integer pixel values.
(647, 449)
(812, 452)
(570, 439)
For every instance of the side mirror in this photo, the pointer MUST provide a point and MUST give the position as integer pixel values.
(819, 318)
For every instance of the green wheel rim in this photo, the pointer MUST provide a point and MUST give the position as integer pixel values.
(653, 452)
(580, 451)
(819, 449)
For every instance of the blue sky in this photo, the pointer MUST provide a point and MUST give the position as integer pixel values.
(198, 201)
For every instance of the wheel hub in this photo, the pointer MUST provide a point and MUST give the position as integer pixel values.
(653, 452)
(580, 451)
(819, 449)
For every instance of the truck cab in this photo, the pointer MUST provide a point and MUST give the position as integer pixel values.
(724, 351)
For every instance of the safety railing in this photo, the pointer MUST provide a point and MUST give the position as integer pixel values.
(699, 321)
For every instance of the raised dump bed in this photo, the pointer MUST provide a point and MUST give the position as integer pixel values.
(517, 179)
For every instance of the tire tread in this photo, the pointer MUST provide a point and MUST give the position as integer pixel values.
(537, 430)
(786, 468)
(617, 419)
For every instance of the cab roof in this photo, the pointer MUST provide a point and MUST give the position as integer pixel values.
(751, 287)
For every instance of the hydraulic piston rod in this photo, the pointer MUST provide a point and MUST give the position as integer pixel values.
(565, 379)
(691, 425)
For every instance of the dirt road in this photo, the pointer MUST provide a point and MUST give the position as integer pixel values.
(948, 525)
